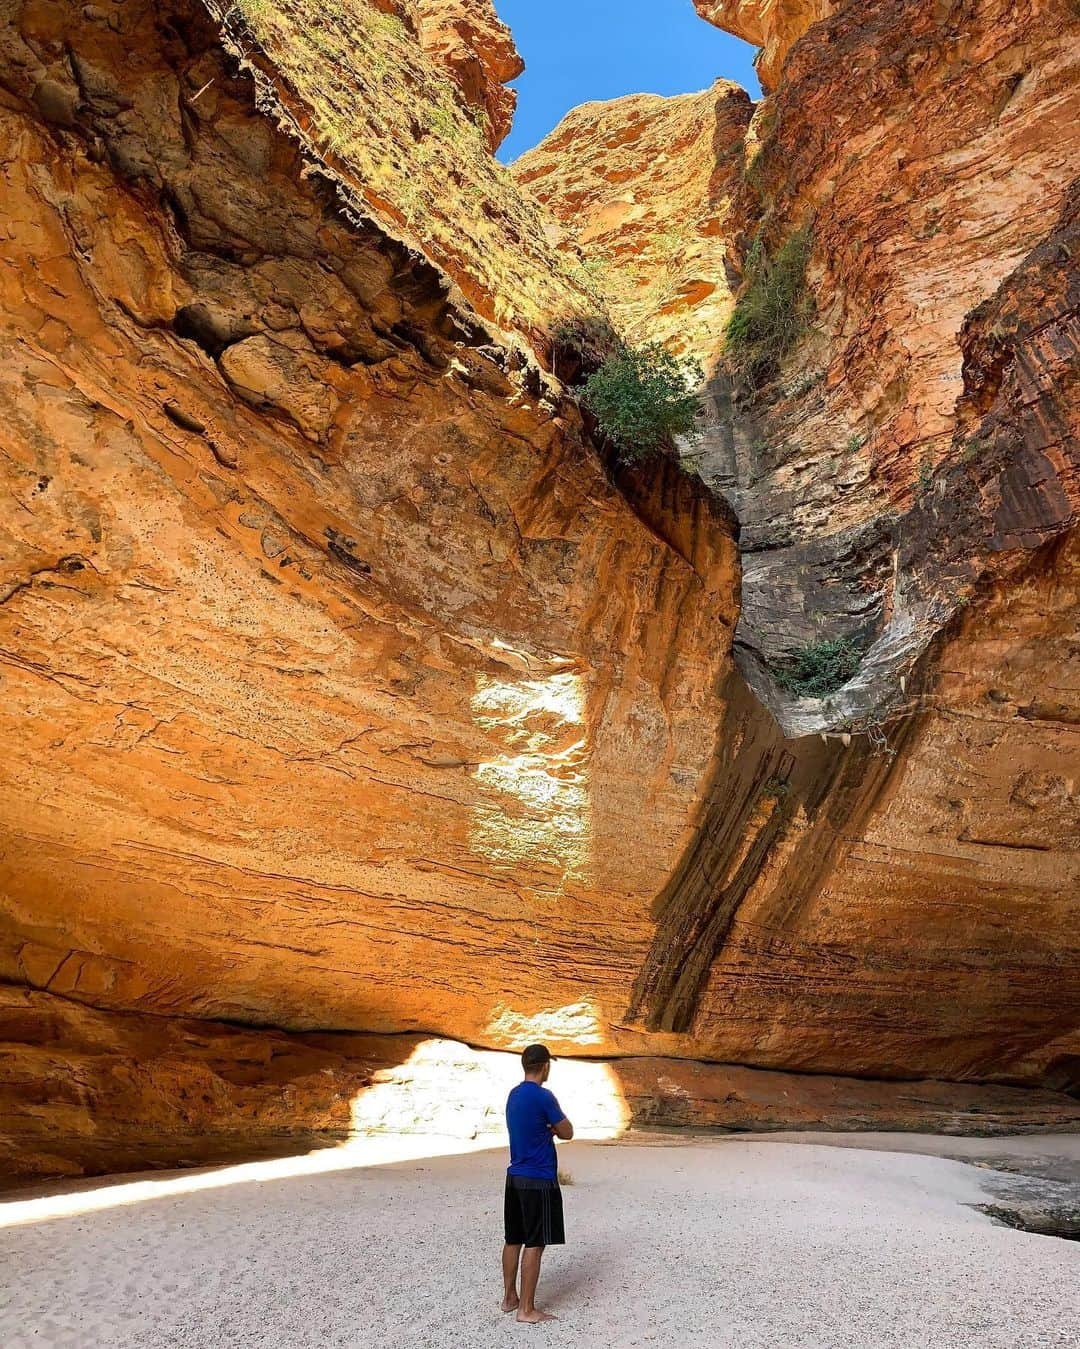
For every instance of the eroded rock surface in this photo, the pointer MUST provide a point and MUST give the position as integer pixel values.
(468, 38)
(935, 181)
(83, 1091)
(773, 25)
(384, 101)
(644, 186)
(345, 689)
(325, 625)
(906, 482)
(930, 156)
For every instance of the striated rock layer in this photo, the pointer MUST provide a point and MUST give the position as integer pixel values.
(82, 1092)
(936, 181)
(340, 671)
(946, 346)
(345, 690)
(930, 184)
(381, 97)
(908, 482)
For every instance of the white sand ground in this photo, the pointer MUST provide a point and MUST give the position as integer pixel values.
(728, 1243)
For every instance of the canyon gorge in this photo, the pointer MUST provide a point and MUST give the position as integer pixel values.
(365, 716)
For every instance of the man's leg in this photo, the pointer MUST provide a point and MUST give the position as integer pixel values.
(530, 1273)
(510, 1268)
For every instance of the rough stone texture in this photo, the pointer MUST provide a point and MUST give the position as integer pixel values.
(928, 181)
(949, 348)
(773, 25)
(644, 186)
(344, 689)
(907, 909)
(385, 102)
(931, 155)
(85, 1092)
(468, 38)
(340, 672)
(911, 482)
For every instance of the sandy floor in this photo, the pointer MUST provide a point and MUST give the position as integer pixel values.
(716, 1243)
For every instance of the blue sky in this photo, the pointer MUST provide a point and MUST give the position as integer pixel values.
(579, 50)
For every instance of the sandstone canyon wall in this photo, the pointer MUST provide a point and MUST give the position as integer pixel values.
(773, 26)
(467, 37)
(346, 689)
(329, 631)
(646, 187)
(906, 482)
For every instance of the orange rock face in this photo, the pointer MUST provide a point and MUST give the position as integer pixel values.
(345, 689)
(387, 109)
(956, 170)
(347, 672)
(773, 25)
(926, 183)
(644, 187)
(476, 47)
(84, 1091)
(906, 483)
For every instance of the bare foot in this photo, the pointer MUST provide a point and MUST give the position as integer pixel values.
(535, 1316)
(510, 1302)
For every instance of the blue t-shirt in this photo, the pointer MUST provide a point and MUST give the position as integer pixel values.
(530, 1108)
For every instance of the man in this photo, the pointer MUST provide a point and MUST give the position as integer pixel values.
(532, 1207)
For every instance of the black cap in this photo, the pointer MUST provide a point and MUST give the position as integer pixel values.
(534, 1056)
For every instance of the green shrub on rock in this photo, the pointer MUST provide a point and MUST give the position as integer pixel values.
(821, 668)
(773, 310)
(643, 397)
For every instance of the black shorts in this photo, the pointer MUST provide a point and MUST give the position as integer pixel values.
(532, 1212)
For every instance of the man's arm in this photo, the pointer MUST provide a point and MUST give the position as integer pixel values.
(557, 1122)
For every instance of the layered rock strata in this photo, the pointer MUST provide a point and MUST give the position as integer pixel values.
(842, 469)
(935, 182)
(341, 671)
(382, 100)
(85, 1092)
(907, 483)
(346, 690)
(945, 339)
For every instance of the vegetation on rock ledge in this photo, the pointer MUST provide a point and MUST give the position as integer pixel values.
(773, 310)
(821, 668)
(406, 147)
(643, 397)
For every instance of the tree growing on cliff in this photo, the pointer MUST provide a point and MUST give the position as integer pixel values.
(643, 397)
